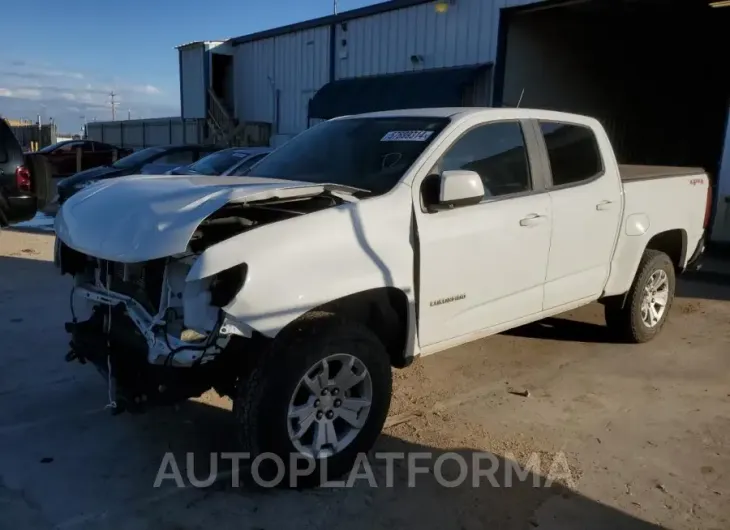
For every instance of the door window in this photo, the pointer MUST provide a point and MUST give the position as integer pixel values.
(573, 152)
(498, 153)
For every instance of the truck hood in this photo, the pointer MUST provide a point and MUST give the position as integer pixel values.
(141, 218)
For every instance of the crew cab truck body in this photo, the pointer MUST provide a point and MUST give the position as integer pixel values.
(361, 244)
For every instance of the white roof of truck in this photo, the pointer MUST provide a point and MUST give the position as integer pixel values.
(464, 112)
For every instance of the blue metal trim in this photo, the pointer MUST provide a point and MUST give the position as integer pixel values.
(333, 51)
(182, 98)
(206, 77)
(382, 7)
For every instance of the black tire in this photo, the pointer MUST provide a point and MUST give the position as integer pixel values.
(262, 400)
(624, 319)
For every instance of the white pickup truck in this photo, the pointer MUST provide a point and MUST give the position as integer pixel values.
(363, 243)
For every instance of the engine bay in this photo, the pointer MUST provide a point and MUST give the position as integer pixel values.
(234, 219)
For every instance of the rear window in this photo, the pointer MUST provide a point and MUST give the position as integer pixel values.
(217, 163)
(145, 156)
(245, 166)
(573, 152)
(182, 157)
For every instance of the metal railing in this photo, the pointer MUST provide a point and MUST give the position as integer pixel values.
(222, 121)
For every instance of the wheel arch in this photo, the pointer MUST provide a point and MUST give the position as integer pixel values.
(673, 243)
(386, 311)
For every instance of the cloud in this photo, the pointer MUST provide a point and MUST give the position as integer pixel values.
(146, 89)
(30, 88)
(20, 92)
(40, 74)
(27, 93)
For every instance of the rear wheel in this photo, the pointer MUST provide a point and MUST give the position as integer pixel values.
(315, 401)
(646, 306)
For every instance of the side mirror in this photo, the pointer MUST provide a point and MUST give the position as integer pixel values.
(460, 188)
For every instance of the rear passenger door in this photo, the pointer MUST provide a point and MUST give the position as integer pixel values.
(483, 265)
(586, 209)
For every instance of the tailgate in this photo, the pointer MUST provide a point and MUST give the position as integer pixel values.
(40, 175)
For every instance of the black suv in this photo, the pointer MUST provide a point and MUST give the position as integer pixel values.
(18, 189)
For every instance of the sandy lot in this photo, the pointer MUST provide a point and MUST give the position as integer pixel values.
(643, 431)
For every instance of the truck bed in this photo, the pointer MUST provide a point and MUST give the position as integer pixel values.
(636, 172)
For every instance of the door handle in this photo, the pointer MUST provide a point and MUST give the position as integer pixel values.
(532, 220)
(604, 205)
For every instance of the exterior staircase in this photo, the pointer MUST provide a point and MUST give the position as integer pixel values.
(226, 131)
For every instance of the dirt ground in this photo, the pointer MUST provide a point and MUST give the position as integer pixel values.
(643, 431)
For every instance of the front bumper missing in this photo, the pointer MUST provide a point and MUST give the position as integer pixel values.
(119, 354)
(162, 348)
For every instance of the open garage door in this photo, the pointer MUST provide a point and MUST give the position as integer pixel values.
(656, 73)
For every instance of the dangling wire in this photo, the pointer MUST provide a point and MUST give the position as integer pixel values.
(112, 404)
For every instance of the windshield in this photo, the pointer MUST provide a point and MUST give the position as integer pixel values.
(139, 158)
(368, 153)
(217, 163)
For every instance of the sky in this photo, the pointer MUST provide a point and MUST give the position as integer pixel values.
(61, 59)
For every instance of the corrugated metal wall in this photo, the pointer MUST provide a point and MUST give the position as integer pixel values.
(382, 44)
(138, 134)
(28, 134)
(297, 65)
(193, 82)
(294, 66)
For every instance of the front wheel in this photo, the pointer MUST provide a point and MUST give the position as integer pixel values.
(647, 304)
(318, 399)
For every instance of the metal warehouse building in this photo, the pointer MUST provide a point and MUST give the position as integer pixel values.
(653, 71)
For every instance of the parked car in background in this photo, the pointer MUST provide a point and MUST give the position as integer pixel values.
(18, 186)
(224, 162)
(150, 161)
(63, 156)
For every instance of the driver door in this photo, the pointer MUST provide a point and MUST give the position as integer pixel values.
(483, 265)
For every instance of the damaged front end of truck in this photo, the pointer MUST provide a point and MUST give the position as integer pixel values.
(158, 333)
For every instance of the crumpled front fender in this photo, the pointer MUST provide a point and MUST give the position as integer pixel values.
(296, 265)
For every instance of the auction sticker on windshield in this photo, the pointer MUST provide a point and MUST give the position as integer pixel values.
(406, 136)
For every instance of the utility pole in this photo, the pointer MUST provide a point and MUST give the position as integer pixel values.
(114, 105)
(334, 6)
